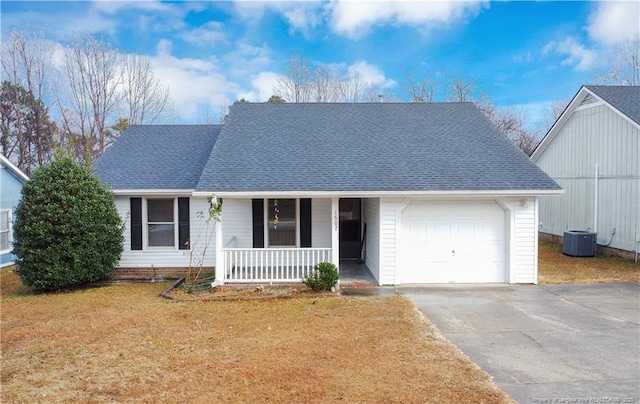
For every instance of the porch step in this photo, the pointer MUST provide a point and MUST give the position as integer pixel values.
(354, 284)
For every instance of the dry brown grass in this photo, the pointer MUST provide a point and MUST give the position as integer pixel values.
(554, 267)
(123, 343)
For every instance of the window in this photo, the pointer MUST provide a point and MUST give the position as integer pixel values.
(281, 222)
(164, 223)
(160, 223)
(5, 230)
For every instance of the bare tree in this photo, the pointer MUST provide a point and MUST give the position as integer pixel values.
(296, 83)
(27, 132)
(304, 82)
(463, 90)
(351, 87)
(550, 116)
(510, 121)
(323, 88)
(144, 98)
(622, 66)
(420, 90)
(92, 76)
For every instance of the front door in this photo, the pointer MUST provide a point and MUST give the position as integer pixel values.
(350, 228)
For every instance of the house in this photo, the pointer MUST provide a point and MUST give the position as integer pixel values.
(421, 192)
(11, 181)
(593, 152)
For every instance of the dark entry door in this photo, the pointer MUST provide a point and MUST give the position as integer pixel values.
(350, 228)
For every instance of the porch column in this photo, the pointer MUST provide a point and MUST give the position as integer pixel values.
(219, 254)
(335, 231)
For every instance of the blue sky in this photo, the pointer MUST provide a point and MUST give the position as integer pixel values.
(523, 54)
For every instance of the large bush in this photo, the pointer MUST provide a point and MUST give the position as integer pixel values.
(68, 231)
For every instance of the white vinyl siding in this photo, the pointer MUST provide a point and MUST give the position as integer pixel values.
(388, 240)
(237, 230)
(200, 233)
(594, 135)
(524, 247)
(371, 211)
(321, 223)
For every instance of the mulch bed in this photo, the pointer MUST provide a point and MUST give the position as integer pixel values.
(242, 292)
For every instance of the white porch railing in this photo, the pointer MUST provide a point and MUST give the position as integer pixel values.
(269, 265)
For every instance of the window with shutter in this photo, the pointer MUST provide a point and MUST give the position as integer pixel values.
(136, 223)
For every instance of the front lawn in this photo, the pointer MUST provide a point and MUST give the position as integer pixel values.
(124, 343)
(554, 267)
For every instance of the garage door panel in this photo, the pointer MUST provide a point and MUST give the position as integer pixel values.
(478, 252)
(439, 230)
(453, 242)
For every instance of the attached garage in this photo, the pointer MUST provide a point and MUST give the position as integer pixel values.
(453, 242)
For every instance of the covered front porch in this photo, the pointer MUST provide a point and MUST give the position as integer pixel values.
(280, 240)
(288, 265)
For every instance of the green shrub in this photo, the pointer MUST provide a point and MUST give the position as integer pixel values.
(68, 232)
(324, 276)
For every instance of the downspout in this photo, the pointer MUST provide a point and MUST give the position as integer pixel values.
(595, 204)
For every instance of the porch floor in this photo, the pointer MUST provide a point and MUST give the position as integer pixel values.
(353, 273)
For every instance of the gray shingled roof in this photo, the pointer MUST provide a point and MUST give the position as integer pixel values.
(157, 157)
(625, 99)
(366, 147)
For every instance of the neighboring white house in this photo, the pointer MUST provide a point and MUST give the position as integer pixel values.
(11, 181)
(593, 152)
(443, 195)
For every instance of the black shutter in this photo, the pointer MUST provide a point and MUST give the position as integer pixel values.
(136, 223)
(305, 223)
(257, 207)
(183, 224)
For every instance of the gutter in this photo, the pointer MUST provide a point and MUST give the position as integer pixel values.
(374, 194)
(173, 192)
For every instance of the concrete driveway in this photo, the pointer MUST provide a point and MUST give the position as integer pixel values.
(545, 344)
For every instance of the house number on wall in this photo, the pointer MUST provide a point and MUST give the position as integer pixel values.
(335, 220)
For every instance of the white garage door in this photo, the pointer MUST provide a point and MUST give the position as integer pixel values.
(452, 242)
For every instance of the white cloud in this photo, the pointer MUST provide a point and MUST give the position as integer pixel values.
(355, 18)
(523, 58)
(264, 83)
(371, 74)
(247, 59)
(576, 54)
(148, 15)
(61, 24)
(194, 83)
(113, 7)
(206, 34)
(249, 10)
(302, 16)
(614, 21)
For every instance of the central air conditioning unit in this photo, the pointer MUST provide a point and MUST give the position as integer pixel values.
(579, 243)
